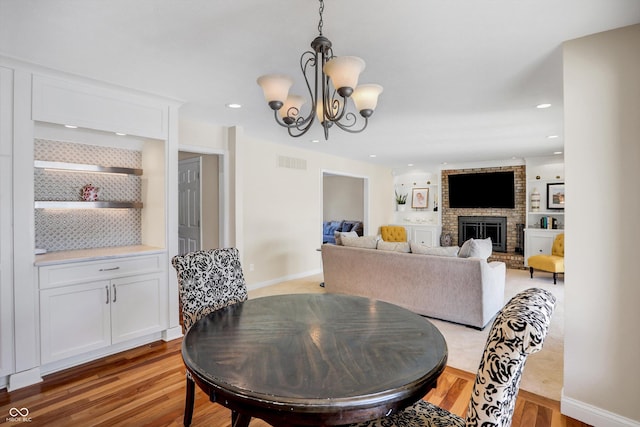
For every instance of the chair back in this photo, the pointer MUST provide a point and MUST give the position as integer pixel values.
(208, 281)
(393, 233)
(518, 330)
(557, 248)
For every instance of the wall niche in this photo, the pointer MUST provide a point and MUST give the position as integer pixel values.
(70, 229)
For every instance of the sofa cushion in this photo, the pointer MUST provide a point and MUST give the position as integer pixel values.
(366, 242)
(338, 235)
(331, 227)
(476, 248)
(347, 225)
(358, 228)
(394, 246)
(418, 248)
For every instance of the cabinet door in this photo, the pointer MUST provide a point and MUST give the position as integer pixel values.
(6, 232)
(74, 320)
(424, 236)
(138, 306)
(537, 243)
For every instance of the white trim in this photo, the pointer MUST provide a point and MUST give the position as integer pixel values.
(593, 415)
(283, 279)
(24, 379)
(172, 333)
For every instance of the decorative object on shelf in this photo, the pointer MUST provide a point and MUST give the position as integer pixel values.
(445, 239)
(435, 202)
(555, 195)
(90, 193)
(535, 200)
(420, 198)
(401, 200)
(334, 81)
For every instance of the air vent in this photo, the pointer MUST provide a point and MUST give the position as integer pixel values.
(292, 163)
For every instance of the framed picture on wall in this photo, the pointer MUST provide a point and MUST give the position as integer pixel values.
(420, 198)
(555, 196)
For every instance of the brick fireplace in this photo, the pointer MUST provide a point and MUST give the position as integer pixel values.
(513, 216)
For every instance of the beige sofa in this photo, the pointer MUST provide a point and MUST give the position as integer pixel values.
(469, 291)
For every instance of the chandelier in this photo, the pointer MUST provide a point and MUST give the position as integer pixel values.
(334, 80)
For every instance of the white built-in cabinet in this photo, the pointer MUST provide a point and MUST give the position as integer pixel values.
(85, 306)
(538, 242)
(59, 310)
(6, 232)
(428, 235)
(540, 173)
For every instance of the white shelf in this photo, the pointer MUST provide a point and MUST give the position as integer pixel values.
(546, 213)
(42, 204)
(79, 167)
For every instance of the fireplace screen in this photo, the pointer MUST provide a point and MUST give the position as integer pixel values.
(481, 227)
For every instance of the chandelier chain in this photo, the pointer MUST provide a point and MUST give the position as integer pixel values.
(320, 23)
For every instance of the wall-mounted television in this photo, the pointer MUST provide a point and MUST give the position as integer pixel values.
(482, 190)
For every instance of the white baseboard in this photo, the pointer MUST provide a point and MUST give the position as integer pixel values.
(172, 333)
(283, 279)
(593, 415)
(24, 379)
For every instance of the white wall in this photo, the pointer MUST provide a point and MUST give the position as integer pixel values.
(282, 207)
(343, 198)
(275, 214)
(602, 158)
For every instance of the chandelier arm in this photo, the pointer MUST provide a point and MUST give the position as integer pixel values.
(347, 127)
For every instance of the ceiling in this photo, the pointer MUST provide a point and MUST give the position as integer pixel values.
(461, 78)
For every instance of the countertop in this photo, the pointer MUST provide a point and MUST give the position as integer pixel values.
(63, 257)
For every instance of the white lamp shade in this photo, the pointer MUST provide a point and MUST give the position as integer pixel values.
(366, 96)
(291, 107)
(275, 86)
(344, 71)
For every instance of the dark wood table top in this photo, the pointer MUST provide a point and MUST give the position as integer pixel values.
(314, 359)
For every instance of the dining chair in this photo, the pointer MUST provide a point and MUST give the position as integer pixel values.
(208, 280)
(518, 331)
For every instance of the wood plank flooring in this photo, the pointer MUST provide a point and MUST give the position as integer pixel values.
(145, 387)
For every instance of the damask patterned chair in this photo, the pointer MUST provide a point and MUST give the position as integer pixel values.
(518, 331)
(208, 281)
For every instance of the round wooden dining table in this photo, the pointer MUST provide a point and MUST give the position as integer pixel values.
(314, 359)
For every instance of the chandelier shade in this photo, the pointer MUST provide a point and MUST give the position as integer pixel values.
(275, 87)
(291, 108)
(365, 97)
(331, 81)
(344, 72)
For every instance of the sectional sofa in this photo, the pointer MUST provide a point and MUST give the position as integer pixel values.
(469, 291)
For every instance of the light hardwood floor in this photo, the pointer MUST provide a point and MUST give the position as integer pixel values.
(145, 387)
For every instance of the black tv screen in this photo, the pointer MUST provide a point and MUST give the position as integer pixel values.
(482, 190)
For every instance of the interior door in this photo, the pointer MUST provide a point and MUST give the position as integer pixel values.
(189, 232)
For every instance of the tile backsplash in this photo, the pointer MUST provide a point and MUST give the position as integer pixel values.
(67, 229)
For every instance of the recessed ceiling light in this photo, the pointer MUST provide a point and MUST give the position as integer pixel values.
(121, 134)
(410, 164)
(557, 152)
(444, 163)
(315, 140)
(71, 126)
(234, 105)
(552, 136)
(372, 155)
(543, 105)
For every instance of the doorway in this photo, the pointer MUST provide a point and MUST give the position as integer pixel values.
(199, 207)
(344, 197)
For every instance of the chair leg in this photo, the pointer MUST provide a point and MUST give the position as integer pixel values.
(555, 276)
(531, 271)
(189, 401)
